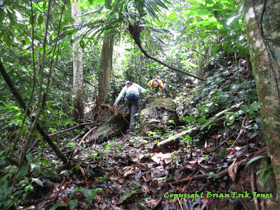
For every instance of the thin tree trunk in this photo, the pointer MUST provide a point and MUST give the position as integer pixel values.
(263, 29)
(105, 68)
(23, 105)
(77, 96)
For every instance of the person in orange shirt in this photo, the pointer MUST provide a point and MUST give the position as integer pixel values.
(156, 85)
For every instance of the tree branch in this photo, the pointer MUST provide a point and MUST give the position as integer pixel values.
(23, 105)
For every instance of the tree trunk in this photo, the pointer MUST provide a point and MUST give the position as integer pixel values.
(77, 95)
(105, 68)
(263, 29)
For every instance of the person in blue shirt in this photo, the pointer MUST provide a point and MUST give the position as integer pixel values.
(131, 91)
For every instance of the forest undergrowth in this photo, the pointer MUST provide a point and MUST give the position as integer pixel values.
(213, 169)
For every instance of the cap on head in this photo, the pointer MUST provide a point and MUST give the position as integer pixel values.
(157, 77)
(127, 82)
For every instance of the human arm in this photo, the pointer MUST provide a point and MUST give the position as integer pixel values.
(162, 87)
(163, 94)
(122, 93)
(149, 84)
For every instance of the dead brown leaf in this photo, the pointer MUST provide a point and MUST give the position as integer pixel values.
(154, 183)
(232, 170)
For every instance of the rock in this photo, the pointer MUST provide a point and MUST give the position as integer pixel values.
(158, 114)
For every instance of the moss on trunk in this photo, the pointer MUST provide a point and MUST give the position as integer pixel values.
(265, 58)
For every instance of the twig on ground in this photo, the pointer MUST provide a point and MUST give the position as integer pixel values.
(158, 203)
(177, 197)
(55, 199)
(253, 187)
(222, 173)
(76, 150)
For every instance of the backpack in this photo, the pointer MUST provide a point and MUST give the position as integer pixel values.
(155, 84)
(132, 92)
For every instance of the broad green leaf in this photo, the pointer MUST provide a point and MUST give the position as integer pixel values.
(187, 119)
(73, 203)
(29, 157)
(27, 41)
(45, 5)
(38, 181)
(197, 8)
(1, 16)
(188, 137)
(126, 195)
(213, 118)
(197, 13)
(23, 171)
(265, 175)
(206, 22)
(172, 16)
(40, 20)
(94, 192)
(36, 168)
(55, 206)
(254, 106)
(84, 191)
(32, 19)
(253, 160)
(108, 4)
(201, 120)
(215, 50)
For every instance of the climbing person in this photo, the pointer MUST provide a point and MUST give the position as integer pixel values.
(131, 91)
(156, 85)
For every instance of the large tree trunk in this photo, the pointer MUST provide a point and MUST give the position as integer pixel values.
(77, 95)
(263, 29)
(105, 68)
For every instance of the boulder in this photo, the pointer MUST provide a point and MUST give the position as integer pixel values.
(159, 113)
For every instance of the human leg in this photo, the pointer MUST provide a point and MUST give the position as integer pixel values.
(134, 109)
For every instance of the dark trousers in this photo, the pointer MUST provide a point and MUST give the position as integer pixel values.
(132, 105)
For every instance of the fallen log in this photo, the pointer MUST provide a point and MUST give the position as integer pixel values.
(191, 132)
(115, 124)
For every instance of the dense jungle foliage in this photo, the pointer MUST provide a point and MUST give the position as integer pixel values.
(73, 171)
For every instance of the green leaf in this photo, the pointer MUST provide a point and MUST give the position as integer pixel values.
(187, 119)
(84, 191)
(22, 171)
(94, 192)
(32, 20)
(29, 157)
(197, 13)
(73, 203)
(201, 120)
(216, 49)
(188, 137)
(253, 160)
(36, 169)
(206, 22)
(27, 41)
(254, 106)
(172, 16)
(1, 16)
(45, 5)
(265, 175)
(40, 20)
(108, 4)
(213, 118)
(126, 195)
(38, 181)
(55, 206)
